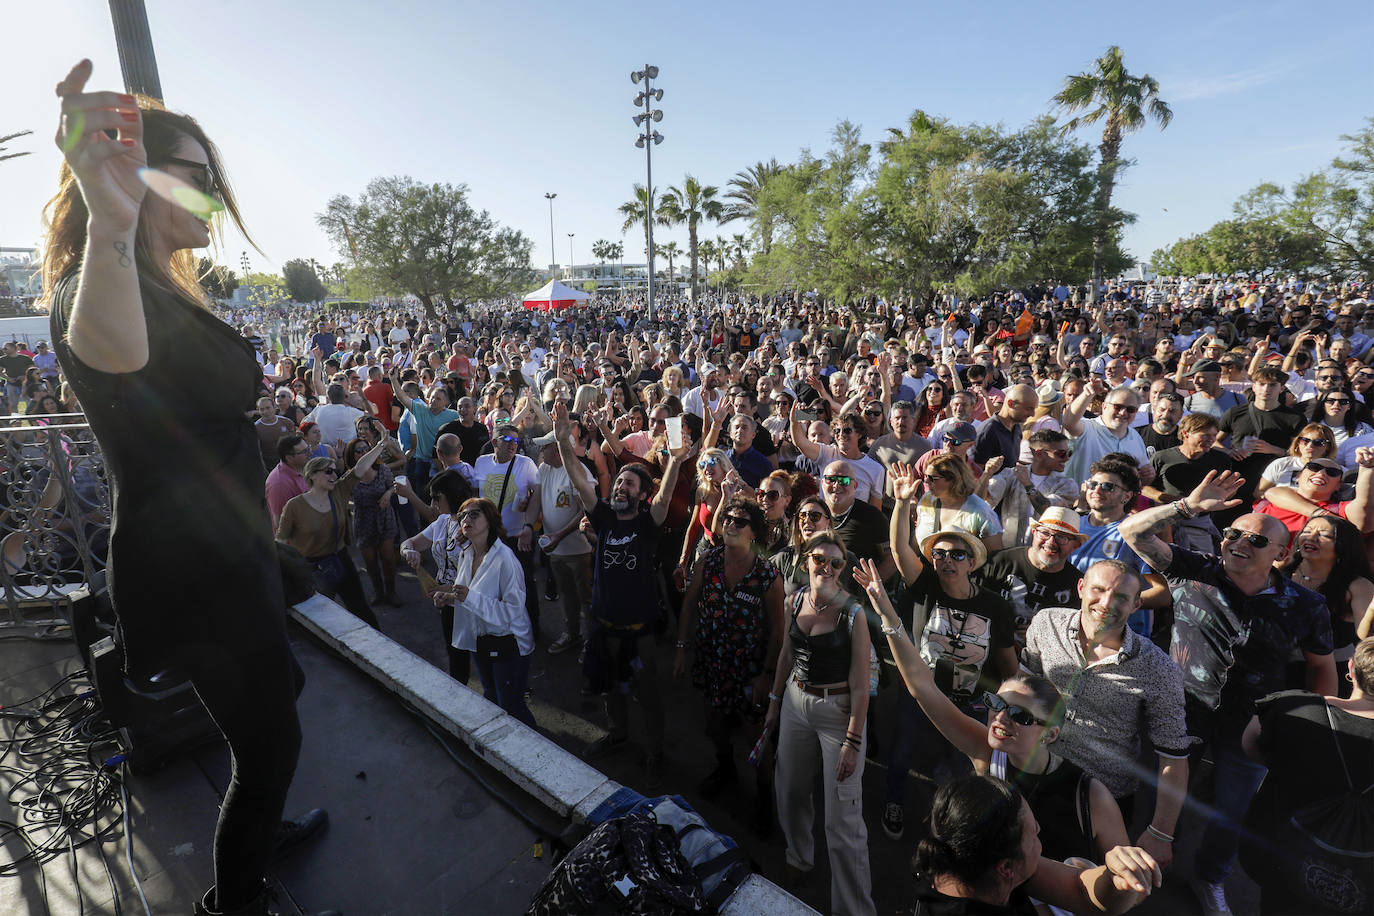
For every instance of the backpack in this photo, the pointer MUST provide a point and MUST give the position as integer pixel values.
(630, 864)
(1324, 852)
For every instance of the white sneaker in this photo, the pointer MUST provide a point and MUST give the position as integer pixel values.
(1211, 896)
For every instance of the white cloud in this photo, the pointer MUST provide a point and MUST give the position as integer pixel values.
(1206, 87)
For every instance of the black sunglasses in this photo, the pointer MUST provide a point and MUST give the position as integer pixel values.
(957, 554)
(1257, 541)
(1308, 440)
(1317, 467)
(1018, 714)
(737, 521)
(843, 480)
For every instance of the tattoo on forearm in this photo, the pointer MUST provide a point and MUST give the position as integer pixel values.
(1150, 521)
(123, 249)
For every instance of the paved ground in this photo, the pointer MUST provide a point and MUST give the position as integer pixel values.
(574, 720)
(410, 830)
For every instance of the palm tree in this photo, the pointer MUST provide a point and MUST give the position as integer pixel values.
(1126, 103)
(6, 139)
(637, 211)
(708, 254)
(739, 245)
(722, 250)
(745, 190)
(669, 250)
(690, 204)
(601, 250)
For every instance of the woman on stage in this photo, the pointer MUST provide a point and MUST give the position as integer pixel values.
(193, 572)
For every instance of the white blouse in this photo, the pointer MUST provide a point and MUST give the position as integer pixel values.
(495, 604)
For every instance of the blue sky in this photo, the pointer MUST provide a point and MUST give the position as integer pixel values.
(310, 99)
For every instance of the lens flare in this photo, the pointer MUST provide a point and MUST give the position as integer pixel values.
(176, 191)
(76, 127)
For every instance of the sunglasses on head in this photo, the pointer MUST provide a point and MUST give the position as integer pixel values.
(1257, 541)
(957, 554)
(842, 480)
(1018, 714)
(820, 559)
(1317, 467)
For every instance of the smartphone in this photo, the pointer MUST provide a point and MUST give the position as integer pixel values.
(673, 426)
(807, 415)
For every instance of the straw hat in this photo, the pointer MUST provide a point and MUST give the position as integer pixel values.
(975, 546)
(1061, 521)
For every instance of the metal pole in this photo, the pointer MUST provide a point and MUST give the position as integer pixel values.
(570, 254)
(553, 252)
(649, 187)
(134, 41)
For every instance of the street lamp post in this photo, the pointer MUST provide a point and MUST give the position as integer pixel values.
(647, 141)
(134, 42)
(571, 262)
(553, 255)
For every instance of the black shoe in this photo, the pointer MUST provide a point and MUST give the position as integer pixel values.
(722, 776)
(294, 832)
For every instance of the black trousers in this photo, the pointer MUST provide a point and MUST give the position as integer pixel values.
(459, 660)
(339, 579)
(249, 686)
(526, 558)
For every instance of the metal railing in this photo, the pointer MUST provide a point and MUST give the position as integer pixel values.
(54, 515)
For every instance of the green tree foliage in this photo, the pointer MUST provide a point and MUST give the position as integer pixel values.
(1123, 103)
(669, 250)
(744, 199)
(1323, 222)
(936, 205)
(220, 282)
(428, 240)
(265, 289)
(302, 283)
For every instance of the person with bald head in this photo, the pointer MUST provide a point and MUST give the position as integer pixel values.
(1001, 435)
(1236, 622)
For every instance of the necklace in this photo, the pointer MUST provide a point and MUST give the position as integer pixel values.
(838, 520)
(1304, 576)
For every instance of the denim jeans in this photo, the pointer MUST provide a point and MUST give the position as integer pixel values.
(1237, 778)
(504, 683)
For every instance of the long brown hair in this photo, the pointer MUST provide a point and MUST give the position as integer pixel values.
(65, 214)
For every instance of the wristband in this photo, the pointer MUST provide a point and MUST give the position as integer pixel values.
(898, 630)
(773, 697)
(1159, 834)
(1181, 507)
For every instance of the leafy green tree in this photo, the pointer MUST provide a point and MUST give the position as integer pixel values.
(428, 240)
(220, 282)
(739, 247)
(265, 289)
(1124, 104)
(616, 252)
(302, 283)
(689, 204)
(636, 211)
(745, 195)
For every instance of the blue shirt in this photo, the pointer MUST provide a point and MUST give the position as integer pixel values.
(1106, 543)
(427, 425)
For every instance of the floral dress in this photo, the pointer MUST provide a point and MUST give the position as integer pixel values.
(732, 631)
(373, 525)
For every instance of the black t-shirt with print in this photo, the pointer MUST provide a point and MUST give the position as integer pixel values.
(1156, 442)
(957, 634)
(1026, 587)
(1178, 475)
(1276, 427)
(624, 577)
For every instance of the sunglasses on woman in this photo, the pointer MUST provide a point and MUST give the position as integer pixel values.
(1018, 714)
(822, 560)
(957, 554)
(1308, 440)
(1316, 467)
(739, 522)
(1257, 541)
(814, 516)
(768, 496)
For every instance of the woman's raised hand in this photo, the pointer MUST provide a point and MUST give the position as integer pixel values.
(866, 575)
(106, 170)
(905, 481)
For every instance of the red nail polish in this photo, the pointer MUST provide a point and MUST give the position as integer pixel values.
(127, 99)
(129, 115)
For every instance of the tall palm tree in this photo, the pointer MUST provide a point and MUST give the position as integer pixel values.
(708, 254)
(738, 246)
(669, 250)
(689, 204)
(636, 210)
(745, 190)
(722, 251)
(1125, 103)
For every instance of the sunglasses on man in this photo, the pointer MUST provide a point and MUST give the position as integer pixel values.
(1257, 541)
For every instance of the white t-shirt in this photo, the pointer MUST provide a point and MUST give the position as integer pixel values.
(869, 475)
(559, 504)
(335, 422)
(491, 475)
(1098, 441)
(398, 334)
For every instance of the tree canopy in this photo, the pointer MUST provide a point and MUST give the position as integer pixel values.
(427, 240)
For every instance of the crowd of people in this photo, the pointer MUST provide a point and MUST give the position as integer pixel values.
(1089, 539)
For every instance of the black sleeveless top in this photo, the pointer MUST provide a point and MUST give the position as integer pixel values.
(1059, 800)
(822, 659)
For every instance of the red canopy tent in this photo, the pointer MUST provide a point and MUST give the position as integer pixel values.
(554, 295)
